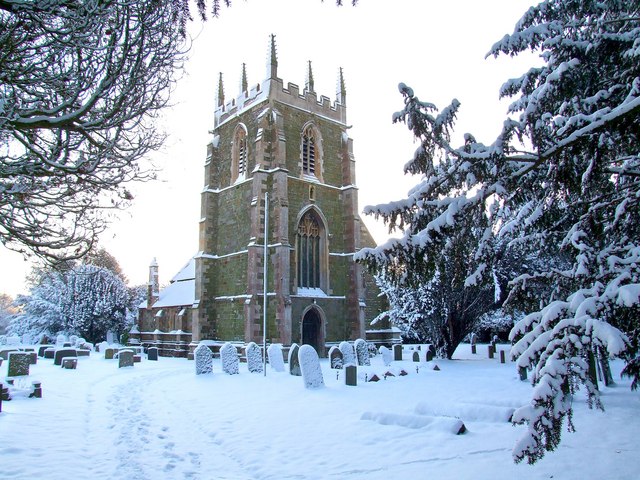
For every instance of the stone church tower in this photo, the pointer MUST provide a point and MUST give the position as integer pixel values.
(293, 146)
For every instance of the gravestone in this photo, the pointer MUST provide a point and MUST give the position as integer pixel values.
(63, 352)
(111, 337)
(73, 340)
(33, 357)
(348, 355)
(351, 375)
(473, 348)
(229, 358)
(37, 389)
(254, 358)
(50, 352)
(18, 364)
(276, 360)
(294, 362)
(473, 338)
(203, 358)
(387, 356)
(70, 363)
(335, 358)
(152, 353)
(397, 352)
(310, 367)
(109, 353)
(523, 373)
(502, 359)
(490, 350)
(60, 339)
(362, 352)
(125, 358)
(41, 349)
(4, 353)
(416, 356)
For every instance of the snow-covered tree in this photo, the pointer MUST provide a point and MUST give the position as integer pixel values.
(87, 301)
(7, 311)
(563, 175)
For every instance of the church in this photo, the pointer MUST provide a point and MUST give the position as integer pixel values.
(279, 177)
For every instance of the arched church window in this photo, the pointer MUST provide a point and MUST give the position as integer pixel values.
(309, 250)
(311, 151)
(239, 154)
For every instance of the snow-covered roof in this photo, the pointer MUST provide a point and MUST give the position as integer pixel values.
(177, 294)
(188, 272)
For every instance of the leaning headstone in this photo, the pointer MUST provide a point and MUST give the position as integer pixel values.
(125, 358)
(229, 358)
(348, 355)
(294, 363)
(254, 358)
(18, 364)
(335, 358)
(387, 356)
(362, 352)
(203, 358)
(276, 360)
(397, 352)
(310, 367)
(152, 353)
(63, 352)
(109, 353)
(351, 375)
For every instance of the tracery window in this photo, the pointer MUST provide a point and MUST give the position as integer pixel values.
(309, 252)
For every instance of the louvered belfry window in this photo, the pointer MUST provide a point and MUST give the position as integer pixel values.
(308, 152)
(309, 252)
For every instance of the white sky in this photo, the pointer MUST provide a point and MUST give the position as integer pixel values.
(437, 48)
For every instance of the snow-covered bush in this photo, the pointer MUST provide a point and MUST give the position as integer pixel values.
(276, 359)
(203, 359)
(310, 367)
(497, 322)
(348, 355)
(362, 352)
(229, 359)
(254, 358)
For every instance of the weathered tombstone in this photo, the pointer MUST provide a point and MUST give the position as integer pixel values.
(37, 389)
(18, 364)
(63, 352)
(294, 363)
(351, 375)
(387, 356)
(50, 352)
(70, 363)
(152, 353)
(397, 352)
(335, 358)
(125, 358)
(254, 358)
(33, 357)
(203, 358)
(310, 367)
(502, 357)
(416, 356)
(4, 353)
(276, 360)
(490, 350)
(41, 349)
(109, 353)
(229, 358)
(348, 355)
(362, 352)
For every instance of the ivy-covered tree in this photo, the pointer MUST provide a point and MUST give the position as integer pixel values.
(562, 176)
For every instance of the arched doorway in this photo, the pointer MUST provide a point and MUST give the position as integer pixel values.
(312, 330)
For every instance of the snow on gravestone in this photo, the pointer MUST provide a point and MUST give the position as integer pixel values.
(294, 362)
(310, 367)
(348, 355)
(125, 358)
(387, 356)
(274, 352)
(229, 358)
(204, 359)
(254, 358)
(362, 352)
(335, 358)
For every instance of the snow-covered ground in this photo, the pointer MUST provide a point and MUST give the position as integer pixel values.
(159, 420)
